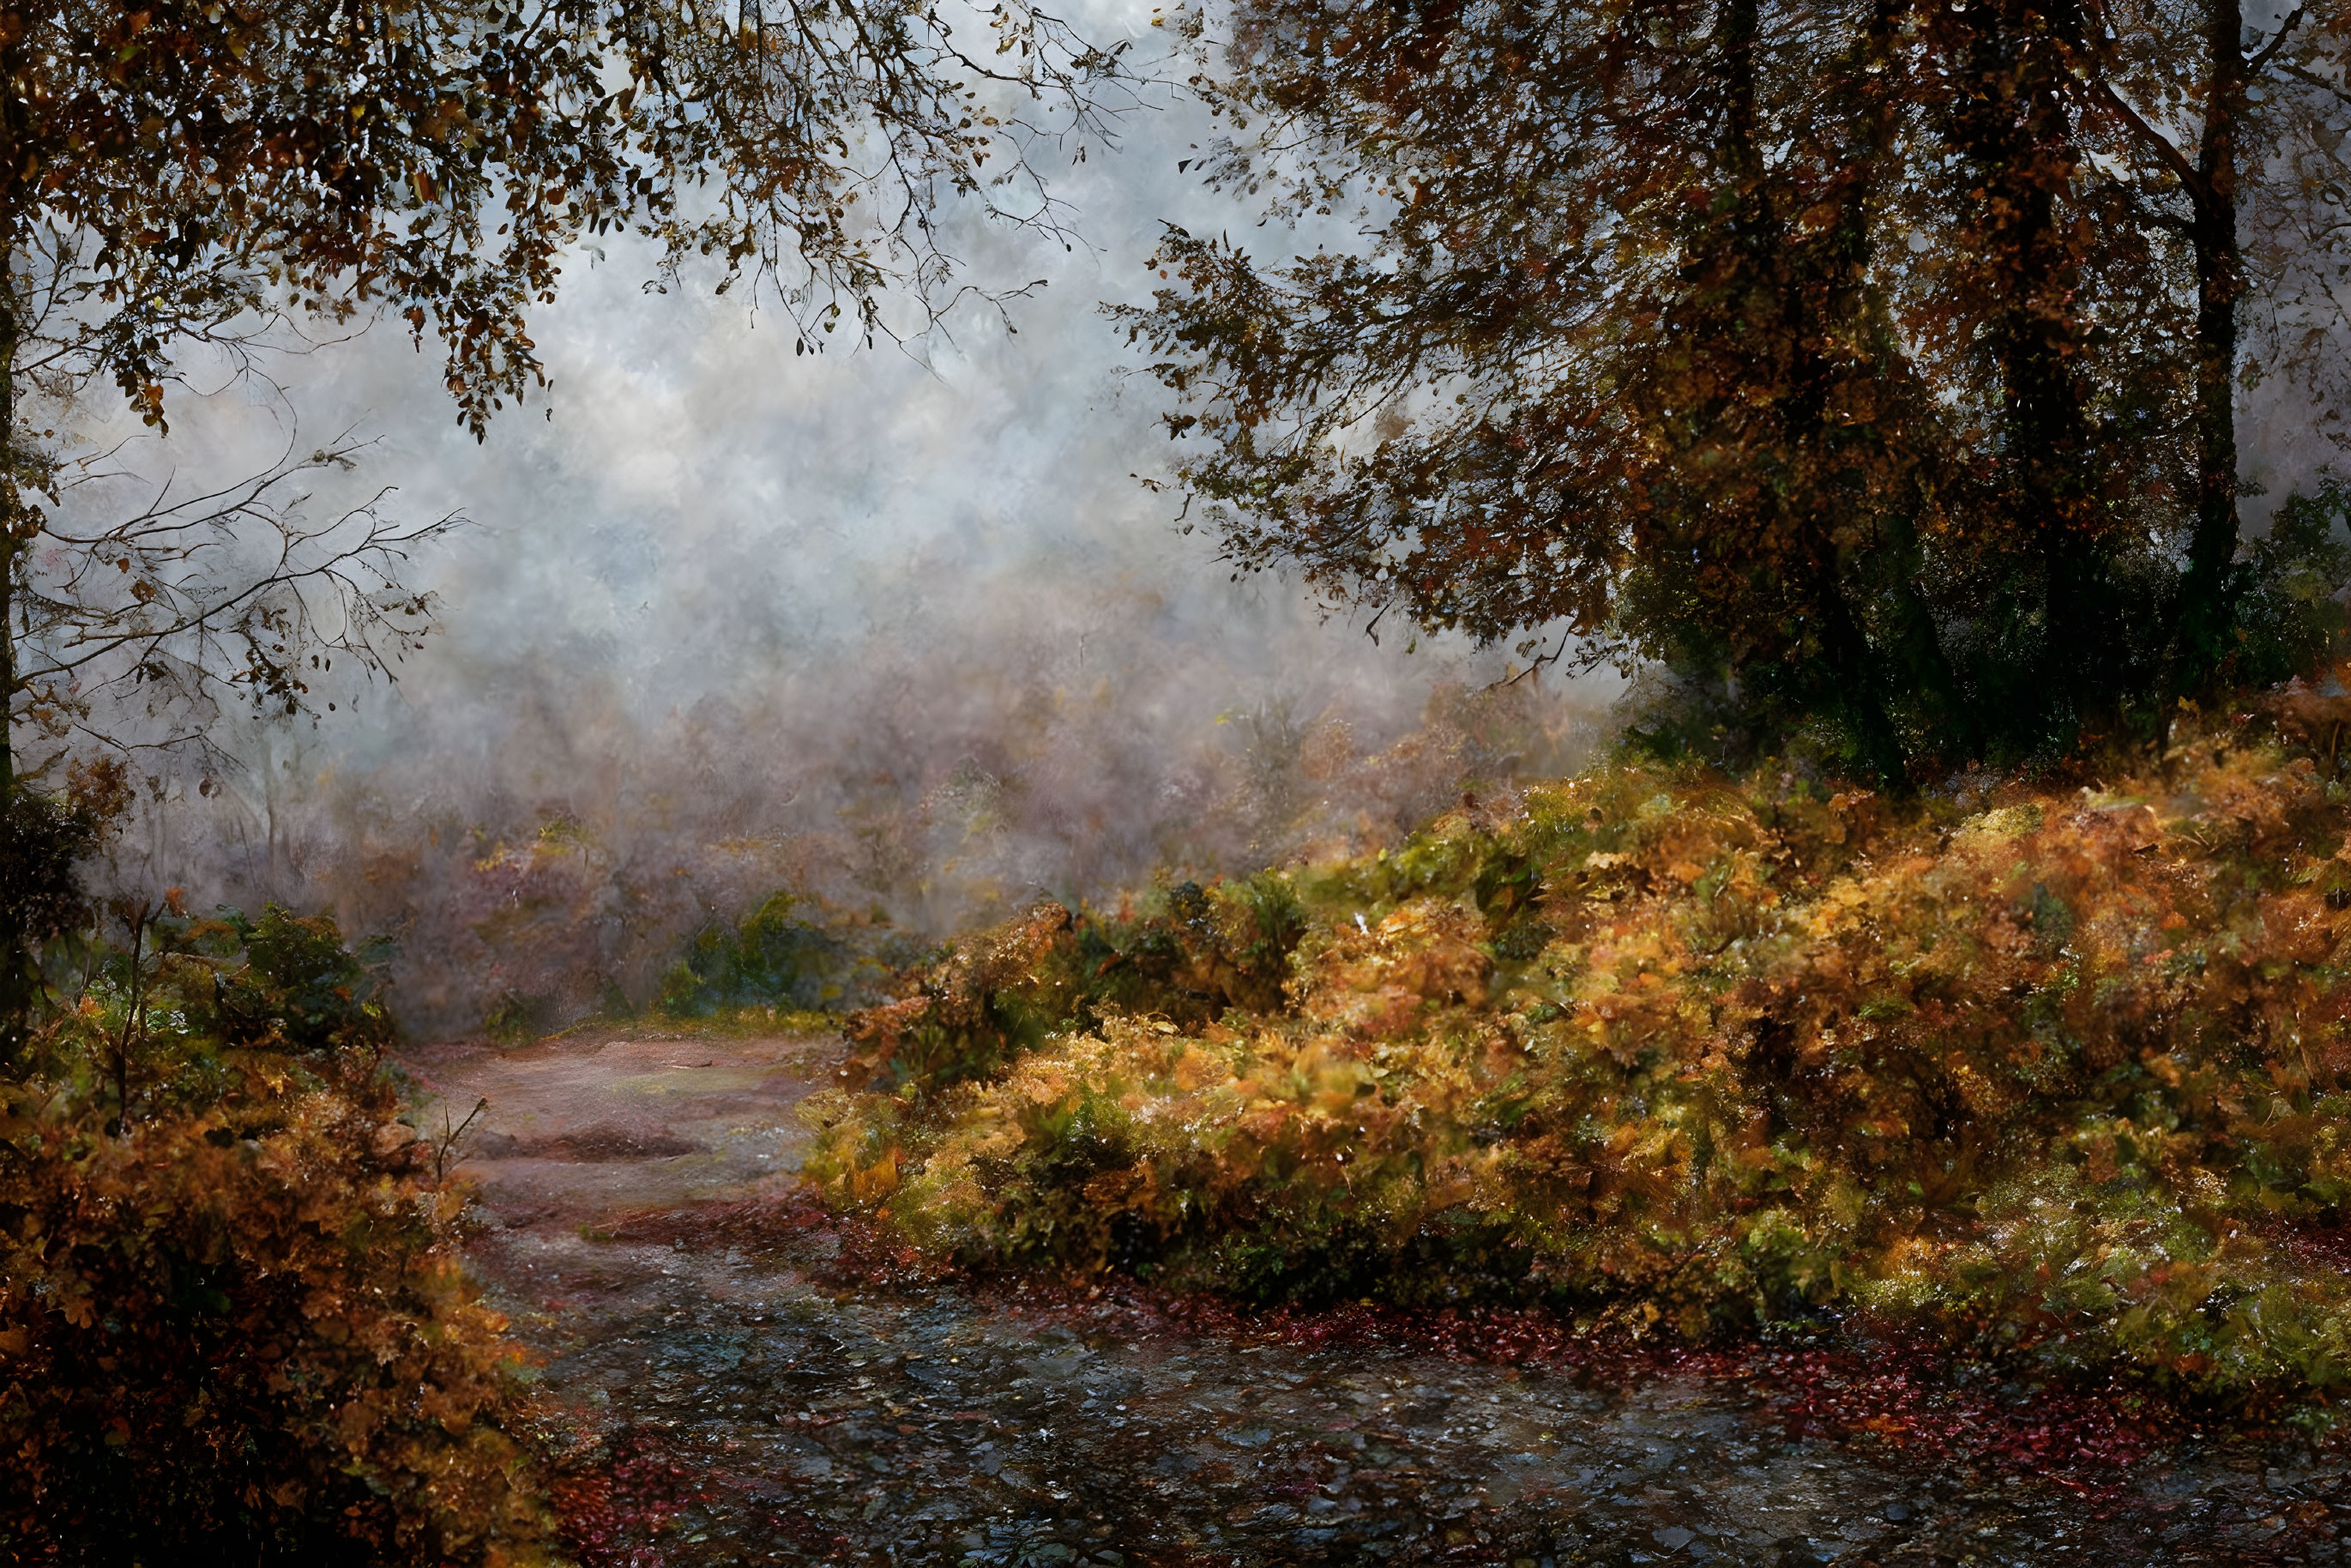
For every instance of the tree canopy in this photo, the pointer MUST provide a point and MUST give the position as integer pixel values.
(1874, 362)
(180, 172)
(185, 173)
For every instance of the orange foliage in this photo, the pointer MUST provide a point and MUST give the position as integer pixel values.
(240, 1327)
(2057, 1069)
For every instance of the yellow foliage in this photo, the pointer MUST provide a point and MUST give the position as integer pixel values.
(235, 1323)
(2070, 1066)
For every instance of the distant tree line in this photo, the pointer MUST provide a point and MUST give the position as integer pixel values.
(1873, 365)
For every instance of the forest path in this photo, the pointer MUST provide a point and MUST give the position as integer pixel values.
(748, 1383)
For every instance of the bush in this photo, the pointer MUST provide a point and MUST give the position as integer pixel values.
(234, 1321)
(774, 959)
(44, 839)
(2065, 1073)
(2288, 590)
(300, 988)
(1007, 990)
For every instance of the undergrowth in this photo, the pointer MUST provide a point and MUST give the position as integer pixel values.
(792, 957)
(2057, 1073)
(234, 1321)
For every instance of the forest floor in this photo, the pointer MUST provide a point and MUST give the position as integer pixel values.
(735, 1378)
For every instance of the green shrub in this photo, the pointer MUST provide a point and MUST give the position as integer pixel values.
(776, 959)
(1201, 952)
(515, 1017)
(44, 840)
(2289, 610)
(300, 987)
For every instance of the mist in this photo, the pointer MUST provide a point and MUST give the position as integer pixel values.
(894, 627)
(898, 627)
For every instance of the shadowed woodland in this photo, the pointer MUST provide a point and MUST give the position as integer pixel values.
(1941, 943)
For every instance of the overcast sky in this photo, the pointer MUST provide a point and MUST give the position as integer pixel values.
(705, 510)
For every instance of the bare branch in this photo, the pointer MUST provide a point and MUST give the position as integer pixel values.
(168, 602)
(2260, 59)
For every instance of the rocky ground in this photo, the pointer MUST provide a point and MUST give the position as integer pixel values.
(739, 1378)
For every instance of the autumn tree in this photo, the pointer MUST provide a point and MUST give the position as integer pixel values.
(1871, 363)
(2226, 126)
(1777, 498)
(181, 172)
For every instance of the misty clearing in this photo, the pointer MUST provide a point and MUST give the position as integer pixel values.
(1259, 782)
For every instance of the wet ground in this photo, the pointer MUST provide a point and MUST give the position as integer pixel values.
(741, 1379)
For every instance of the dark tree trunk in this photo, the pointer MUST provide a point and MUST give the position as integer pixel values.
(1900, 659)
(2039, 570)
(10, 505)
(1766, 492)
(16, 978)
(2220, 282)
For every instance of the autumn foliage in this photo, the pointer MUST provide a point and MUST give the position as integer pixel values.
(2056, 1072)
(234, 1321)
(1877, 366)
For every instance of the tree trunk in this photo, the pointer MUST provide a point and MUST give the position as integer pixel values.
(2014, 129)
(10, 545)
(1901, 662)
(2220, 282)
(16, 980)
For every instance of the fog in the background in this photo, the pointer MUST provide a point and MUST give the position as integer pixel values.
(894, 627)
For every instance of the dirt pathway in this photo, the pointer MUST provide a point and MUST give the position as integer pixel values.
(750, 1384)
